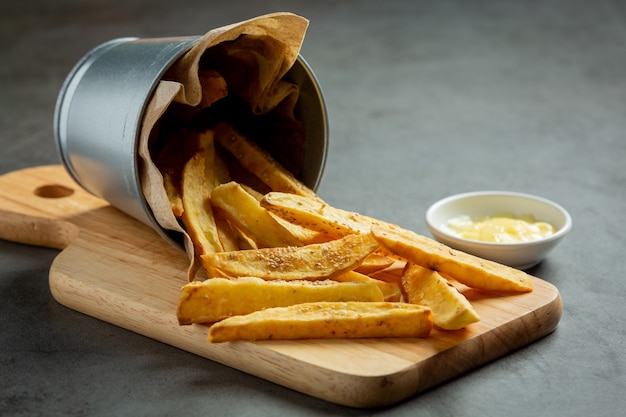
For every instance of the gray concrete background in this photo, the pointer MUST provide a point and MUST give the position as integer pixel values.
(426, 99)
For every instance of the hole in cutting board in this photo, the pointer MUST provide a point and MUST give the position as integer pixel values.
(53, 191)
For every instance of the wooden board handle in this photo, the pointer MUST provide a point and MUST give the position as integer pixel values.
(37, 231)
(43, 206)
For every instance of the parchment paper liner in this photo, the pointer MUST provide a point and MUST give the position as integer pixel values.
(181, 84)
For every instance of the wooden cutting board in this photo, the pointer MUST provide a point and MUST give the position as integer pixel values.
(115, 268)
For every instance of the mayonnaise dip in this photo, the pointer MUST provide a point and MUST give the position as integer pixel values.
(500, 229)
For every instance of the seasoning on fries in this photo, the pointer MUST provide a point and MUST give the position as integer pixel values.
(281, 262)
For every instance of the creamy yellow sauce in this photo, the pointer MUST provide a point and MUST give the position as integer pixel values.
(501, 228)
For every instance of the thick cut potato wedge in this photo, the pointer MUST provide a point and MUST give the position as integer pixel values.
(227, 235)
(468, 269)
(304, 235)
(317, 261)
(171, 183)
(259, 162)
(391, 291)
(244, 212)
(347, 320)
(217, 298)
(451, 310)
(197, 214)
(374, 263)
(314, 214)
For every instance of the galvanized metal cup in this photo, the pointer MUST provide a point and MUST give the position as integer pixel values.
(100, 108)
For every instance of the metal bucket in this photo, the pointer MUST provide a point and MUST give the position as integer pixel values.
(100, 108)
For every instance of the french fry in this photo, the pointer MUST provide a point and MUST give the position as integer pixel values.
(451, 310)
(254, 193)
(259, 162)
(217, 298)
(373, 263)
(197, 215)
(304, 235)
(229, 237)
(392, 274)
(468, 269)
(243, 240)
(316, 261)
(391, 290)
(317, 215)
(326, 320)
(171, 183)
(170, 160)
(244, 212)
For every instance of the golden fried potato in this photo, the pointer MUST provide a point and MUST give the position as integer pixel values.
(229, 237)
(392, 274)
(197, 214)
(244, 242)
(468, 269)
(316, 261)
(315, 214)
(451, 310)
(244, 212)
(217, 298)
(373, 263)
(304, 235)
(254, 193)
(171, 183)
(391, 290)
(259, 162)
(347, 320)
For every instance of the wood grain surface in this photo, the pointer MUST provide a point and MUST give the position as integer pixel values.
(117, 269)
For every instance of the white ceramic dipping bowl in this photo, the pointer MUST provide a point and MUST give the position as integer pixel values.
(490, 203)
